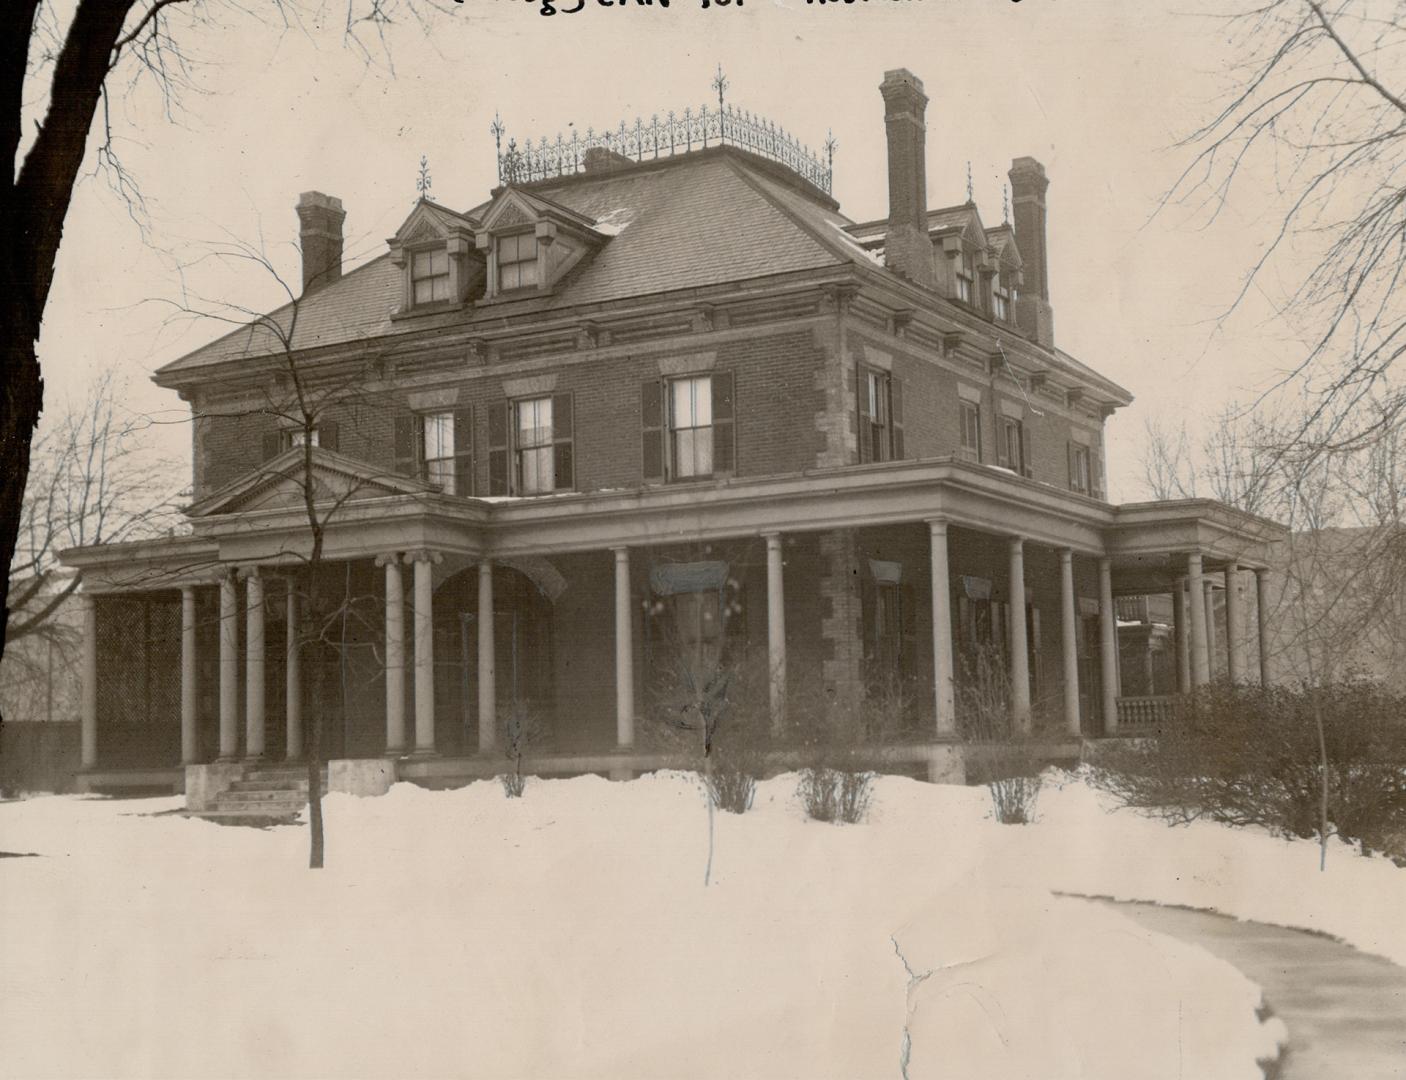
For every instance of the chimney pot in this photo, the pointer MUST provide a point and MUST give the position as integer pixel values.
(320, 220)
(907, 247)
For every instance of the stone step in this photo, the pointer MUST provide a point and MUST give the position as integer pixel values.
(283, 784)
(261, 798)
(240, 816)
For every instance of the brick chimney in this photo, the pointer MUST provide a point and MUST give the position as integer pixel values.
(907, 248)
(320, 220)
(1033, 313)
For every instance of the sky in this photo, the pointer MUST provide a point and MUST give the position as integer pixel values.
(1100, 92)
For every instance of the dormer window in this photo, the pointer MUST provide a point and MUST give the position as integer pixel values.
(1000, 298)
(429, 276)
(965, 278)
(517, 262)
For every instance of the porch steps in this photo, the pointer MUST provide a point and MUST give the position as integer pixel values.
(266, 794)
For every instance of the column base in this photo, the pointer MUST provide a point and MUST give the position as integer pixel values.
(395, 752)
(421, 752)
(255, 759)
(228, 759)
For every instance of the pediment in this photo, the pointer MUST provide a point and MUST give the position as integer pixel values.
(514, 207)
(278, 485)
(1002, 240)
(430, 222)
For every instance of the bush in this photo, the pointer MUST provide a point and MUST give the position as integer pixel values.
(1252, 756)
(830, 794)
(514, 784)
(997, 753)
(520, 726)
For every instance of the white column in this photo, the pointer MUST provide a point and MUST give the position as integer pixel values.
(1196, 595)
(190, 732)
(776, 629)
(946, 708)
(395, 654)
(1181, 627)
(1108, 646)
(1069, 639)
(1210, 610)
(1262, 624)
(424, 650)
(1020, 655)
(1234, 625)
(254, 719)
(487, 666)
(229, 668)
(624, 652)
(89, 717)
(292, 676)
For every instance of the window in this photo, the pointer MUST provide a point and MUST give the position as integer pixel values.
(429, 275)
(880, 416)
(517, 262)
(971, 428)
(437, 449)
(691, 426)
(535, 450)
(297, 437)
(687, 427)
(965, 288)
(284, 439)
(1079, 473)
(1001, 296)
(1010, 449)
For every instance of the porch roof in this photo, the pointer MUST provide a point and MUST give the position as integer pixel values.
(1144, 539)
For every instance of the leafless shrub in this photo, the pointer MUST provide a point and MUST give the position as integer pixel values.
(520, 725)
(999, 754)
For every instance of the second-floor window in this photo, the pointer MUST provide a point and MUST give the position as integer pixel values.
(688, 427)
(429, 275)
(437, 449)
(1011, 450)
(517, 262)
(533, 447)
(1080, 476)
(880, 416)
(971, 429)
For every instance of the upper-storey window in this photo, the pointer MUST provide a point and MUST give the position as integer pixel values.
(531, 448)
(1001, 296)
(688, 427)
(1080, 473)
(429, 276)
(534, 447)
(437, 449)
(1011, 450)
(966, 286)
(517, 261)
(880, 415)
(971, 429)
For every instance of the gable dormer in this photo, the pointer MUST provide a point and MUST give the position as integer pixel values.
(529, 243)
(963, 262)
(1008, 278)
(434, 249)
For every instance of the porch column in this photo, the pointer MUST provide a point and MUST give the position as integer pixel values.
(1069, 627)
(1210, 607)
(946, 709)
(1196, 594)
(89, 717)
(487, 685)
(1108, 646)
(190, 733)
(292, 676)
(254, 667)
(1020, 654)
(776, 629)
(1261, 623)
(1234, 625)
(1181, 628)
(424, 650)
(624, 652)
(229, 667)
(395, 654)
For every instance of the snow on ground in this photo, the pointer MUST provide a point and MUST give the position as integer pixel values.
(570, 933)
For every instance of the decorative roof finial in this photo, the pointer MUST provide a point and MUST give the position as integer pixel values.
(830, 147)
(969, 182)
(422, 182)
(720, 84)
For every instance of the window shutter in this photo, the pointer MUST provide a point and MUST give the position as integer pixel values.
(327, 435)
(652, 428)
(861, 395)
(724, 424)
(563, 439)
(463, 452)
(896, 416)
(1073, 471)
(1095, 473)
(498, 448)
(273, 444)
(404, 450)
(1003, 443)
(1026, 468)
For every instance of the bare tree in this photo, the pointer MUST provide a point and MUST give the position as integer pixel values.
(1319, 107)
(78, 59)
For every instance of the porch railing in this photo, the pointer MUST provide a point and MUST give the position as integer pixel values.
(1138, 715)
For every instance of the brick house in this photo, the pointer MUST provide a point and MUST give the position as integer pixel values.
(655, 397)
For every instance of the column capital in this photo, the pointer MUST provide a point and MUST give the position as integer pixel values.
(937, 525)
(1016, 542)
(424, 555)
(621, 553)
(388, 558)
(1066, 556)
(249, 572)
